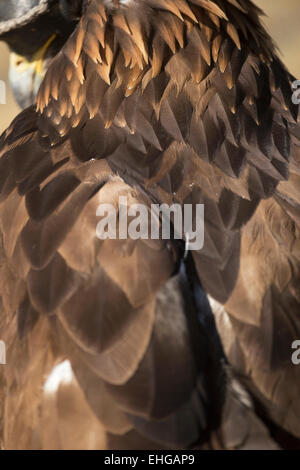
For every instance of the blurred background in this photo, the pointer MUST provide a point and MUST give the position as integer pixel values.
(282, 20)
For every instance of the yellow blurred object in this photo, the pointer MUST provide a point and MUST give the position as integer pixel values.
(283, 23)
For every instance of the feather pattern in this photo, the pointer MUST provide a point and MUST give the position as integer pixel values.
(187, 102)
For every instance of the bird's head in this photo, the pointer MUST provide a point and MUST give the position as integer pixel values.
(35, 31)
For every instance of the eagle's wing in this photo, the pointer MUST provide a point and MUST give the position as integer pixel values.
(145, 368)
(260, 321)
(196, 116)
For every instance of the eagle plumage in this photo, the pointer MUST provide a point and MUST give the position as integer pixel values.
(162, 101)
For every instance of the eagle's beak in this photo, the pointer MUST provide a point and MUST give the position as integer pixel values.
(27, 72)
(34, 31)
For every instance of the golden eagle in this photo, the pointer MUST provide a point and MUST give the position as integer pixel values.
(124, 343)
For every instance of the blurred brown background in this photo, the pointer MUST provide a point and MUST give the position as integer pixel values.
(283, 21)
